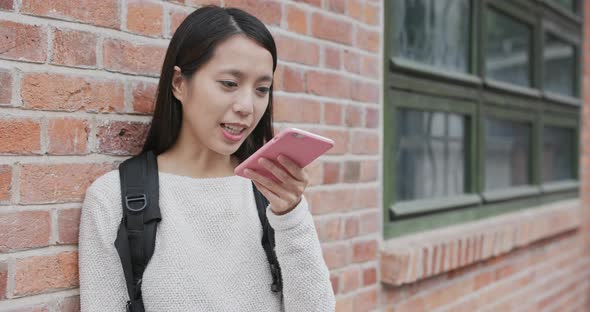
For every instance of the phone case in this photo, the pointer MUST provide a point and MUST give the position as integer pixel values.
(300, 146)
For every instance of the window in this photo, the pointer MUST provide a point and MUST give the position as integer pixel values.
(481, 109)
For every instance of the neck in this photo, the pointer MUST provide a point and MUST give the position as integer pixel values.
(188, 158)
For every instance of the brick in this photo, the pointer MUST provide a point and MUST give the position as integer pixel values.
(314, 173)
(336, 256)
(337, 6)
(121, 137)
(366, 301)
(354, 116)
(84, 53)
(297, 50)
(102, 13)
(127, 57)
(356, 9)
(368, 171)
(334, 280)
(345, 304)
(369, 66)
(23, 42)
(144, 97)
(333, 114)
(340, 138)
(369, 223)
(67, 136)
(6, 89)
(352, 171)
(144, 17)
(331, 173)
(368, 40)
(363, 251)
(58, 183)
(46, 91)
(330, 230)
(296, 110)
(365, 198)
(3, 279)
(176, 18)
(6, 5)
(26, 229)
(372, 118)
(20, 136)
(297, 19)
(394, 266)
(365, 92)
(69, 304)
(293, 80)
(365, 143)
(68, 221)
(349, 280)
(5, 183)
(332, 57)
(266, 10)
(40, 274)
(329, 201)
(332, 29)
(369, 276)
(371, 14)
(351, 227)
(352, 61)
(328, 84)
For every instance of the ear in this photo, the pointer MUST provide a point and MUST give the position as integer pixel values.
(178, 85)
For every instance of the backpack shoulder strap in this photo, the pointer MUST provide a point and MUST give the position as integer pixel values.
(268, 241)
(136, 236)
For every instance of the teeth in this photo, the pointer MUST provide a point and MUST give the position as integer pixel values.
(232, 130)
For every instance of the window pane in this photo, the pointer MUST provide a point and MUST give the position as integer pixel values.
(558, 148)
(560, 66)
(433, 32)
(507, 51)
(430, 156)
(507, 154)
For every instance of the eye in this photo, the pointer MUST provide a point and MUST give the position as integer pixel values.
(228, 83)
(263, 90)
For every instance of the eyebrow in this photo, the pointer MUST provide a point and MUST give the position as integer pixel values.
(240, 74)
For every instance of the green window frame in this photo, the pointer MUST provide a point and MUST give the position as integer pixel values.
(416, 86)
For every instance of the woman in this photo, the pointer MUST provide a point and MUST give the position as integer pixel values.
(213, 110)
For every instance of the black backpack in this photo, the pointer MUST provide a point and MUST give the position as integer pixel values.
(136, 236)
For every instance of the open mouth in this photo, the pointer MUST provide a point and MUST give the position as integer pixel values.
(235, 130)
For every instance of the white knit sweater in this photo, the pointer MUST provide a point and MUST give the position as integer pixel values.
(208, 255)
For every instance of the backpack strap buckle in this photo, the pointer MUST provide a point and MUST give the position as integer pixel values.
(135, 198)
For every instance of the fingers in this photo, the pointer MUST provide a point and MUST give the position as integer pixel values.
(292, 167)
(272, 186)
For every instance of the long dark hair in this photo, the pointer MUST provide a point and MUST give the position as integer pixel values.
(193, 45)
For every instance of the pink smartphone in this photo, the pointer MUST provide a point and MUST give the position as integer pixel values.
(301, 146)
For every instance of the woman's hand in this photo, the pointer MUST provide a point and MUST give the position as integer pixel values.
(286, 194)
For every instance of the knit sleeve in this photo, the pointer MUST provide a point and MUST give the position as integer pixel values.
(102, 284)
(306, 279)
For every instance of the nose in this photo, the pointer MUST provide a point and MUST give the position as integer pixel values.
(244, 103)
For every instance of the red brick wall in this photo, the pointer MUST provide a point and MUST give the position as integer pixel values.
(76, 90)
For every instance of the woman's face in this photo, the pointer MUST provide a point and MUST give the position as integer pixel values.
(224, 100)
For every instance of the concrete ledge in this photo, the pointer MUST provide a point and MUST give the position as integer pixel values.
(408, 259)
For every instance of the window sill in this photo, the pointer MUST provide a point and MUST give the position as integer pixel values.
(514, 89)
(430, 71)
(563, 99)
(512, 193)
(423, 255)
(428, 205)
(560, 186)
